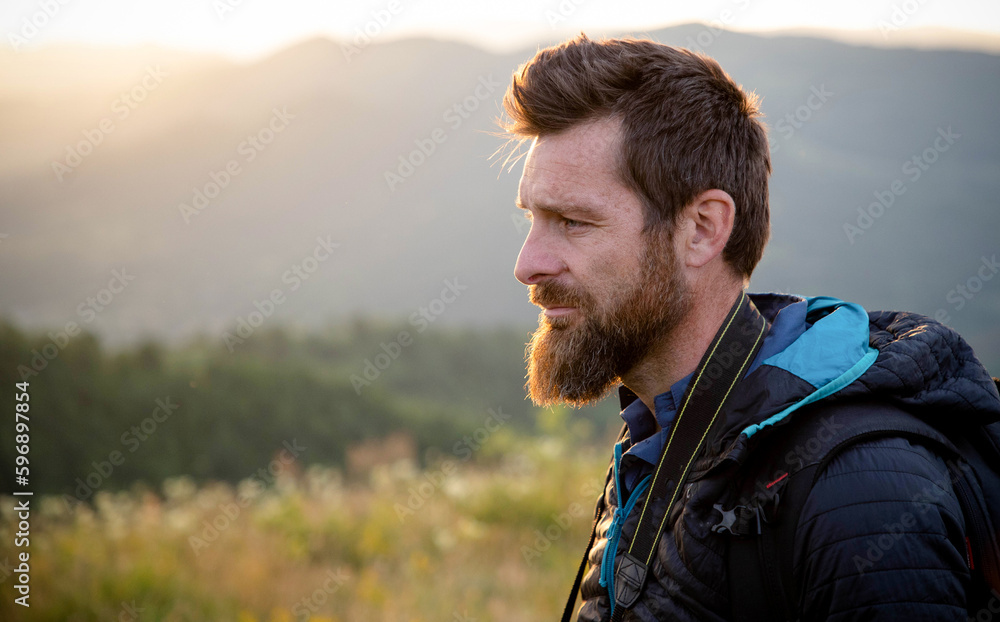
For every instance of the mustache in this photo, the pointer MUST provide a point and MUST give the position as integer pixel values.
(555, 294)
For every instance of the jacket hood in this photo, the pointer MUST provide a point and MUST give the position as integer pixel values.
(846, 353)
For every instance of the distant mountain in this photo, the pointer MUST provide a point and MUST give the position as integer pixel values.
(384, 152)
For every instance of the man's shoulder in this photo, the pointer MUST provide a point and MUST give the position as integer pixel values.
(882, 522)
(889, 468)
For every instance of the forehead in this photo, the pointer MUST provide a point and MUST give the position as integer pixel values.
(576, 166)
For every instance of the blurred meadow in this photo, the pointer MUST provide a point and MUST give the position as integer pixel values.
(494, 541)
(266, 488)
(258, 277)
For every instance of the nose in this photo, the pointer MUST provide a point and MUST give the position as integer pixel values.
(537, 259)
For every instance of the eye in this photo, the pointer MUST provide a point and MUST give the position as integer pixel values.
(573, 224)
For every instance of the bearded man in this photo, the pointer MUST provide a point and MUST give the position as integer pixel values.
(646, 183)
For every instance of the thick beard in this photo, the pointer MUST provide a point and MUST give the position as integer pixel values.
(582, 365)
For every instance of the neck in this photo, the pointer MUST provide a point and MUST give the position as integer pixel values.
(676, 355)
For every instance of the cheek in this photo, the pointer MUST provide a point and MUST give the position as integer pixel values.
(622, 266)
(612, 279)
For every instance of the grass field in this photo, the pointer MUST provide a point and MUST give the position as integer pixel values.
(462, 540)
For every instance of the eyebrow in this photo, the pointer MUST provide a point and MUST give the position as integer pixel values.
(571, 210)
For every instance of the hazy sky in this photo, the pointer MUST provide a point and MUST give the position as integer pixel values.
(251, 28)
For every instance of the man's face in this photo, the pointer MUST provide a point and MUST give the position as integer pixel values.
(609, 293)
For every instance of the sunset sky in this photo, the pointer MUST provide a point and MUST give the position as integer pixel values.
(249, 29)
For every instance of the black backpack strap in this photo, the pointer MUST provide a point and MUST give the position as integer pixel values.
(571, 601)
(763, 586)
(760, 563)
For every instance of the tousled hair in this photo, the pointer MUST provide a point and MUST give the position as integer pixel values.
(686, 127)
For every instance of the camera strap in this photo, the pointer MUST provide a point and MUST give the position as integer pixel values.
(722, 366)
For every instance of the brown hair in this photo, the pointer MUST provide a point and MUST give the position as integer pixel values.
(686, 127)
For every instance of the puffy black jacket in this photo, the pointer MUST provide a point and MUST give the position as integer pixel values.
(881, 536)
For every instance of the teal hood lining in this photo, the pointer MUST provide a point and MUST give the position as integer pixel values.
(830, 355)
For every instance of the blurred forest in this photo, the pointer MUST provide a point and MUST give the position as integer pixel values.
(211, 414)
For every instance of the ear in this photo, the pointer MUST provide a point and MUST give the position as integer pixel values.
(705, 226)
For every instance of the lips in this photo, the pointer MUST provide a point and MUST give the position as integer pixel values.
(556, 300)
(558, 311)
